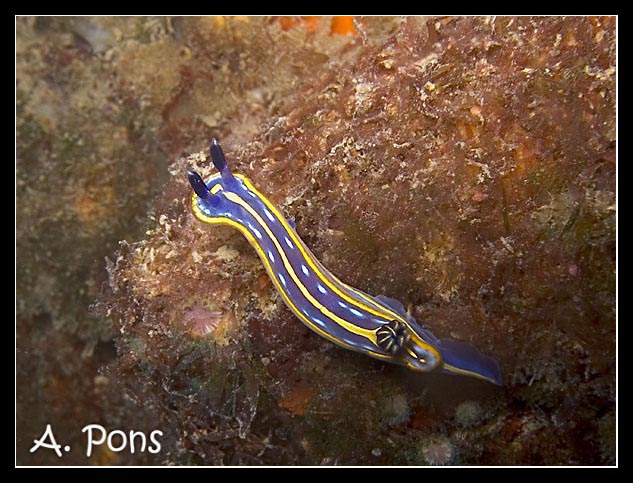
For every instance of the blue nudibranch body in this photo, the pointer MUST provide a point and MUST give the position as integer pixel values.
(377, 326)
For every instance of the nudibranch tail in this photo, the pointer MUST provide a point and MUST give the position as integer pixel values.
(379, 327)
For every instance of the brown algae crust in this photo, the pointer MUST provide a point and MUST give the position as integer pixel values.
(464, 166)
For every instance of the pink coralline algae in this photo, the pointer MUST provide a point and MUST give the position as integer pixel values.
(201, 321)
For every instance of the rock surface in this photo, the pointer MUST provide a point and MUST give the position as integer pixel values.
(464, 166)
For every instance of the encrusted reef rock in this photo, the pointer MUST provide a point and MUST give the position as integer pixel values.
(467, 168)
(464, 166)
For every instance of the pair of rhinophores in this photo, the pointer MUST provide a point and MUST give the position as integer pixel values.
(377, 326)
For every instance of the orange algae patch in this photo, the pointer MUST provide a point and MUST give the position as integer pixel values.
(311, 23)
(343, 26)
(297, 401)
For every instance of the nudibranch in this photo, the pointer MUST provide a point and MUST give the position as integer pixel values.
(377, 326)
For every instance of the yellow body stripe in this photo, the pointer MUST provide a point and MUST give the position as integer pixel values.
(253, 241)
(247, 234)
(314, 265)
(355, 329)
(385, 313)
